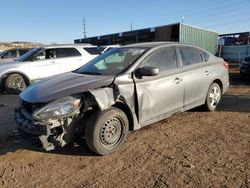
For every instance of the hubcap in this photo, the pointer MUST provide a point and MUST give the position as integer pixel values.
(111, 132)
(18, 84)
(214, 96)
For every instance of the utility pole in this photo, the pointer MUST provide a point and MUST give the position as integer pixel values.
(182, 20)
(84, 28)
(131, 25)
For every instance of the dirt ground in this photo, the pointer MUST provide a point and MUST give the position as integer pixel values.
(190, 149)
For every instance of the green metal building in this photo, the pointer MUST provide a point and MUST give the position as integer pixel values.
(177, 32)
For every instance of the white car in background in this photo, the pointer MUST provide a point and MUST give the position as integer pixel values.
(41, 63)
(106, 48)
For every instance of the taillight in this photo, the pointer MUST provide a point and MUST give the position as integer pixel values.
(226, 65)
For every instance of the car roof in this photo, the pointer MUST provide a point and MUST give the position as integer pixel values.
(68, 45)
(150, 44)
(158, 44)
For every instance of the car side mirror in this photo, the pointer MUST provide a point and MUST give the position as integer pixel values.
(147, 71)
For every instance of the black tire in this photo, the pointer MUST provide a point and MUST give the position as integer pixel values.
(106, 131)
(15, 83)
(213, 97)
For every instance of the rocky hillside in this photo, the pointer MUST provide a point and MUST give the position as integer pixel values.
(9, 45)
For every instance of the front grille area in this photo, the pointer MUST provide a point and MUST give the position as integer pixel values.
(30, 107)
(23, 117)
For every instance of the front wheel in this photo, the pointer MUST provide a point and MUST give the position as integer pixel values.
(15, 83)
(106, 131)
(213, 97)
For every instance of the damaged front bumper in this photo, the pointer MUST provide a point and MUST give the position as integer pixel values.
(48, 134)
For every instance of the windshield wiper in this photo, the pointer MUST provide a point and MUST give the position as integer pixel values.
(90, 73)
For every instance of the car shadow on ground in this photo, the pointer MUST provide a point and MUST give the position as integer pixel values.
(234, 103)
(237, 99)
(15, 143)
(236, 79)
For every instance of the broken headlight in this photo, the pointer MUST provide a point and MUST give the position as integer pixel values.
(57, 108)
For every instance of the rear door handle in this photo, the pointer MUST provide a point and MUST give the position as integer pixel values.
(207, 73)
(177, 80)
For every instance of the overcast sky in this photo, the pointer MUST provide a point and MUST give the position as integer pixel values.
(61, 21)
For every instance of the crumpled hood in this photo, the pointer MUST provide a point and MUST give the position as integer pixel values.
(63, 85)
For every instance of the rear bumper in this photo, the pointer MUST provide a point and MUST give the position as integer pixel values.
(225, 83)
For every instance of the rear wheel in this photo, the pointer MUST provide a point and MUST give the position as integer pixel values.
(213, 97)
(106, 131)
(15, 83)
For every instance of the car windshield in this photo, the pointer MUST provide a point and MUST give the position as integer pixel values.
(28, 56)
(113, 62)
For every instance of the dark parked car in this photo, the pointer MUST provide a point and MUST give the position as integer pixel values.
(245, 67)
(124, 89)
(13, 53)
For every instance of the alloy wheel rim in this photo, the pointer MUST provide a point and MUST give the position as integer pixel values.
(214, 96)
(19, 84)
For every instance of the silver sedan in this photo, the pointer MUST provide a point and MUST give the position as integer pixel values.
(124, 89)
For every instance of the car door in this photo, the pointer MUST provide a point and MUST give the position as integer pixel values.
(44, 64)
(162, 94)
(196, 75)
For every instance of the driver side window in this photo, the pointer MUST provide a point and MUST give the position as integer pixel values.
(164, 59)
(46, 54)
(39, 56)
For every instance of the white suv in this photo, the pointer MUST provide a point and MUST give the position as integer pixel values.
(40, 63)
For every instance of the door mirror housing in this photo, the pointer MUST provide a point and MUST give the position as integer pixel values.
(147, 71)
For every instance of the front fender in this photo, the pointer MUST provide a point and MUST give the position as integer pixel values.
(107, 97)
(104, 97)
(5, 74)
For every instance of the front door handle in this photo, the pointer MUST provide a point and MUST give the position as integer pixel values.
(177, 80)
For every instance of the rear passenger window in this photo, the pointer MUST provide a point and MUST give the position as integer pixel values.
(164, 59)
(68, 52)
(92, 51)
(206, 56)
(190, 56)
